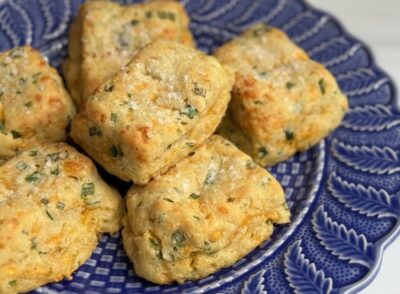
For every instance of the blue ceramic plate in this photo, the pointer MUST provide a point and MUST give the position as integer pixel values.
(343, 194)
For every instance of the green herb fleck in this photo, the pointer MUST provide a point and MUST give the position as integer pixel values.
(258, 102)
(289, 134)
(161, 218)
(109, 87)
(207, 247)
(34, 177)
(190, 144)
(56, 156)
(195, 196)
(261, 30)
(87, 189)
(290, 85)
(16, 134)
(1, 92)
(93, 203)
(139, 204)
(116, 151)
(17, 53)
(199, 91)
(250, 164)
(22, 81)
(189, 111)
(33, 243)
(230, 199)
(268, 222)
(32, 153)
(12, 283)
(156, 246)
(95, 131)
(28, 104)
(169, 200)
(134, 22)
(166, 15)
(124, 40)
(60, 205)
(21, 165)
(55, 171)
(113, 117)
(322, 86)
(35, 76)
(18, 92)
(148, 14)
(178, 238)
(44, 201)
(196, 217)
(49, 215)
(262, 152)
(210, 177)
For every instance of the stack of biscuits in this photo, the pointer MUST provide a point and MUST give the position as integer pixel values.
(144, 104)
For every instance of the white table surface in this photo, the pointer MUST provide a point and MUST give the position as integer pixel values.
(377, 23)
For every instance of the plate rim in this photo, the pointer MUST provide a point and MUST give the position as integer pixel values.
(394, 103)
(394, 233)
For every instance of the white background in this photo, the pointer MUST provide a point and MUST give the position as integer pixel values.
(377, 23)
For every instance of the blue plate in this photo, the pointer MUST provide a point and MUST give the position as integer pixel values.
(343, 194)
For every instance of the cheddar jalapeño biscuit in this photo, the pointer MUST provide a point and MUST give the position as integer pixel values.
(282, 101)
(204, 214)
(154, 112)
(34, 106)
(106, 35)
(53, 208)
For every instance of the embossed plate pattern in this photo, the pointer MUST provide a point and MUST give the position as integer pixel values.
(343, 193)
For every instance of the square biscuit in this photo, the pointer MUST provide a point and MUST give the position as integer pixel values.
(106, 35)
(282, 101)
(34, 106)
(204, 214)
(153, 112)
(53, 208)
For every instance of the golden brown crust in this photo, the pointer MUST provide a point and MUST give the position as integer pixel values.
(153, 112)
(204, 214)
(282, 102)
(53, 207)
(105, 36)
(34, 106)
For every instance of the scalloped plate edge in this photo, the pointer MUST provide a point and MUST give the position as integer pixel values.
(383, 243)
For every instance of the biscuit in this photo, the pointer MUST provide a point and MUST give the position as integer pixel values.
(282, 101)
(53, 208)
(156, 110)
(34, 106)
(205, 213)
(105, 36)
